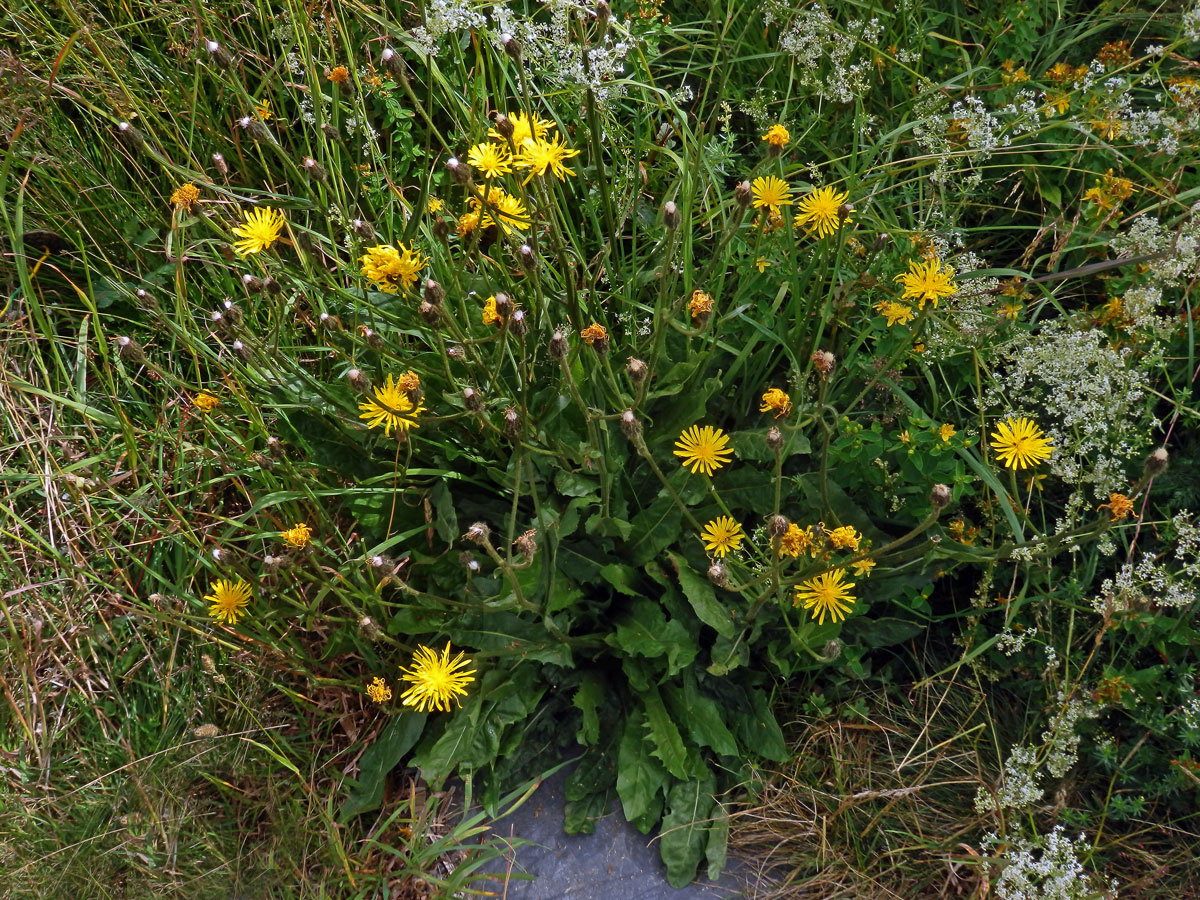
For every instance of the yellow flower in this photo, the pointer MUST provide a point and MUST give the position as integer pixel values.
(339, 75)
(524, 129)
(594, 332)
(844, 538)
(777, 136)
(776, 400)
(721, 535)
(703, 448)
(378, 690)
(434, 205)
(927, 281)
(390, 408)
(228, 600)
(1109, 191)
(701, 304)
(205, 402)
(863, 567)
(762, 263)
(490, 316)
(467, 223)
(1011, 310)
(895, 313)
(185, 196)
(1118, 506)
(947, 432)
(493, 160)
(510, 210)
(389, 268)
(771, 192)
(298, 536)
(409, 381)
(1019, 443)
(905, 437)
(545, 154)
(437, 681)
(819, 211)
(262, 110)
(796, 540)
(828, 593)
(260, 231)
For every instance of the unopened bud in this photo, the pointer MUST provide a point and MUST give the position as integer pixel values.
(881, 241)
(274, 445)
(129, 349)
(254, 128)
(939, 496)
(504, 126)
(252, 283)
(219, 555)
(383, 566)
(528, 258)
(517, 323)
(374, 341)
(1156, 463)
(472, 399)
(832, 650)
(777, 526)
(558, 345)
(218, 320)
(130, 136)
(743, 194)
(671, 216)
(220, 57)
(504, 306)
(314, 170)
(441, 229)
(637, 370)
(434, 292)
(774, 439)
(456, 353)
(460, 173)
(393, 63)
(603, 13)
(630, 425)
(240, 350)
(363, 229)
(233, 312)
(512, 423)
(718, 574)
(358, 380)
(431, 313)
(220, 165)
(368, 629)
(333, 323)
(844, 212)
(511, 47)
(467, 558)
(272, 563)
(823, 361)
(526, 544)
(272, 285)
(479, 532)
(330, 132)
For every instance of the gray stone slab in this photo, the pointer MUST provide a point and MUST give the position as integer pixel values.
(615, 863)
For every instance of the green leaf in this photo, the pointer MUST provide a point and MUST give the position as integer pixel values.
(622, 578)
(571, 484)
(701, 716)
(645, 631)
(380, 758)
(587, 700)
(758, 730)
(700, 595)
(668, 744)
(716, 850)
(728, 654)
(752, 445)
(640, 777)
(580, 816)
(684, 830)
(446, 519)
(654, 529)
(608, 526)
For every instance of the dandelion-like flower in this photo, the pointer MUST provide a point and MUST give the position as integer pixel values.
(467, 223)
(228, 600)
(762, 264)
(490, 316)
(260, 231)
(895, 313)
(820, 211)
(185, 196)
(701, 304)
(863, 567)
(827, 594)
(390, 268)
(525, 128)
(1119, 506)
(437, 681)
(390, 408)
(946, 432)
(205, 402)
(721, 535)
(927, 281)
(541, 155)
(797, 540)
(409, 381)
(777, 401)
(507, 208)
(297, 536)
(1019, 443)
(493, 160)
(844, 538)
(434, 205)
(378, 690)
(777, 136)
(704, 449)
(771, 192)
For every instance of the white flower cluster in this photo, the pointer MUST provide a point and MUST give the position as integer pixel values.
(444, 17)
(1062, 738)
(1181, 252)
(1046, 867)
(983, 130)
(1187, 542)
(1021, 786)
(1089, 398)
(835, 66)
(1010, 642)
(1147, 581)
(1191, 22)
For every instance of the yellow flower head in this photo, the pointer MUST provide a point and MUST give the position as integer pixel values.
(895, 313)
(205, 402)
(721, 535)
(493, 160)
(185, 196)
(594, 332)
(490, 316)
(409, 381)
(946, 431)
(262, 110)
(378, 690)
(228, 600)
(541, 155)
(820, 211)
(437, 681)
(777, 136)
(390, 408)
(927, 281)
(434, 205)
(863, 567)
(260, 231)
(390, 268)
(467, 223)
(1019, 443)
(771, 192)
(797, 540)
(762, 263)
(524, 129)
(298, 536)
(509, 209)
(1119, 506)
(776, 400)
(844, 538)
(704, 449)
(701, 304)
(827, 594)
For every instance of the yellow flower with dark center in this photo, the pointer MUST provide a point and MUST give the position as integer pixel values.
(863, 567)
(524, 129)
(437, 681)
(1119, 506)
(594, 332)
(390, 408)
(390, 268)
(827, 594)
(378, 690)
(820, 211)
(185, 196)
(927, 281)
(704, 449)
(490, 315)
(228, 600)
(493, 160)
(771, 192)
(797, 540)
(777, 136)
(298, 536)
(843, 538)
(1019, 443)
(260, 231)
(946, 432)
(722, 535)
(542, 155)
(777, 401)
(895, 313)
(205, 402)
(701, 304)
(467, 223)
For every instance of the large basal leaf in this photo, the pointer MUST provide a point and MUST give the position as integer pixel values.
(654, 529)
(380, 758)
(701, 716)
(757, 729)
(685, 829)
(700, 594)
(640, 777)
(668, 743)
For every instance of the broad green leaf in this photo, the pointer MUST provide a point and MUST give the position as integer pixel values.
(700, 595)
(587, 699)
(623, 578)
(668, 744)
(380, 758)
(716, 850)
(580, 816)
(640, 777)
(654, 529)
(758, 730)
(645, 631)
(445, 519)
(685, 829)
(701, 716)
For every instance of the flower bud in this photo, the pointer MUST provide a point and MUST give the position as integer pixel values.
(274, 445)
(218, 320)
(528, 258)
(130, 136)
(881, 241)
(220, 165)
(518, 324)
(460, 173)
(221, 556)
(467, 558)
(374, 341)
(637, 370)
(511, 47)
(512, 423)
(441, 229)
(1156, 463)
(472, 399)
(314, 170)
(777, 526)
(456, 353)
(393, 63)
(363, 229)
(368, 629)
(718, 574)
(252, 283)
(774, 439)
(383, 566)
(254, 128)
(832, 650)
(233, 312)
(743, 194)
(333, 323)
(434, 292)
(603, 13)
(504, 306)
(940, 496)
(526, 544)
(431, 313)
(240, 350)
(504, 126)
(479, 532)
(844, 212)
(272, 286)
(671, 216)
(359, 381)
(221, 58)
(823, 361)
(630, 425)
(558, 345)
(330, 132)
(129, 349)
